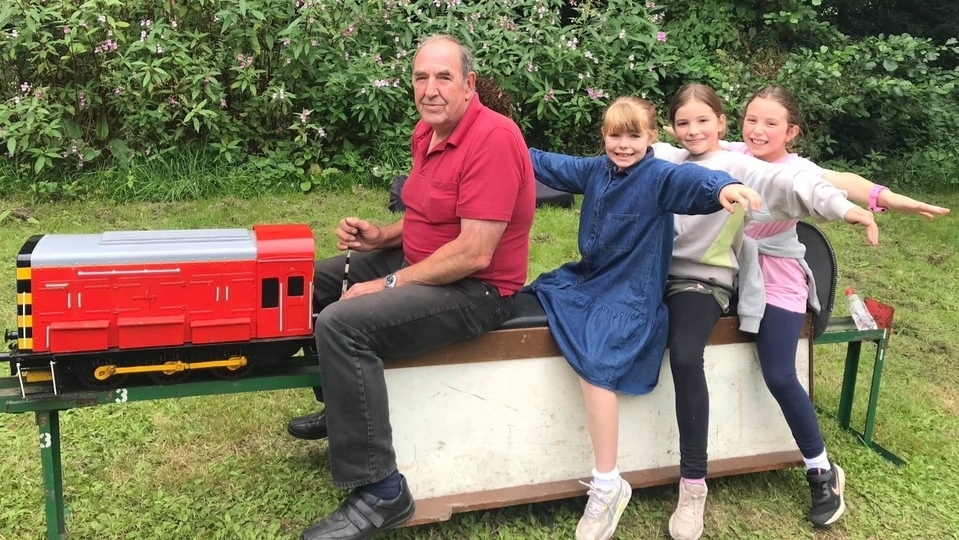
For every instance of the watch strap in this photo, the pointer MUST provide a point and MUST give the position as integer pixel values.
(874, 198)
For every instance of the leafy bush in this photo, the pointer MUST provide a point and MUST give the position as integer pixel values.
(315, 93)
(295, 88)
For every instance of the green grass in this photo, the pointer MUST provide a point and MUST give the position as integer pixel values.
(224, 467)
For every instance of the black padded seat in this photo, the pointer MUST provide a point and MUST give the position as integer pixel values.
(527, 313)
(822, 261)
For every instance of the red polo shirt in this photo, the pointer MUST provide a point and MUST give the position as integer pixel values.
(482, 171)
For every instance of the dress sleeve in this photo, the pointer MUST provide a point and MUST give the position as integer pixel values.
(691, 189)
(562, 172)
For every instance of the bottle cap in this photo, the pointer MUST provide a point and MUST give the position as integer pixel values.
(850, 290)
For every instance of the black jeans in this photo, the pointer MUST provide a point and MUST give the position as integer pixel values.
(692, 318)
(354, 335)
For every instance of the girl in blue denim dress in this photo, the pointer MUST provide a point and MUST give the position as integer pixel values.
(606, 311)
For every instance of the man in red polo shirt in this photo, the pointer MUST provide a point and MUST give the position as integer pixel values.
(445, 272)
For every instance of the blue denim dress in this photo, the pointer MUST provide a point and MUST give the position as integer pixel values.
(606, 311)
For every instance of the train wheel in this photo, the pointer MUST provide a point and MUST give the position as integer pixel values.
(86, 374)
(228, 374)
(169, 377)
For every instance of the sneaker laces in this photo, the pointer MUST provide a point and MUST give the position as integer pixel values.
(689, 504)
(598, 500)
(819, 489)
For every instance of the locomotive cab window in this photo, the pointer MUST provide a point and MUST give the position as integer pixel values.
(270, 293)
(294, 286)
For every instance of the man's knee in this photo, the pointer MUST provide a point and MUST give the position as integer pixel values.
(335, 317)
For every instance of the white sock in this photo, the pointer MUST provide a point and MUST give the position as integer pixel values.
(819, 462)
(606, 481)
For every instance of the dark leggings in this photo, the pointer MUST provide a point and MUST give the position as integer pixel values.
(776, 343)
(692, 318)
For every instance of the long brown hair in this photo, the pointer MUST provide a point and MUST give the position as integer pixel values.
(696, 92)
(788, 101)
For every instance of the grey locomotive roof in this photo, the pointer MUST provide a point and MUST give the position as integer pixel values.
(133, 247)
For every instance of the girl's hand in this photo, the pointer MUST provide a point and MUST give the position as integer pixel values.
(738, 193)
(865, 218)
(908, 205)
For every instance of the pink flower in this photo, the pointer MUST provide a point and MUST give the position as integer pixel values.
(66, 29)
(594, 94)
(661, 37)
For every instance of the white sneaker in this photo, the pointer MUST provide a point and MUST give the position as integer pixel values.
(603, 511)
(686, 523)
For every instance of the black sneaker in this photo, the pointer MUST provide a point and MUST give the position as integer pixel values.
(826, 488)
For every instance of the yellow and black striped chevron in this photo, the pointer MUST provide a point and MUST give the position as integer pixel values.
(25, 295)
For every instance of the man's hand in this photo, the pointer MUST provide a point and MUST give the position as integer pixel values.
(366, 287)
(738, 193)
(865, 218)
(358, 235)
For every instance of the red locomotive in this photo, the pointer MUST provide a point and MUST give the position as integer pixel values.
(163, 303)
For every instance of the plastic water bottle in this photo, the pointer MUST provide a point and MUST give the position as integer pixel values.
(860, 315)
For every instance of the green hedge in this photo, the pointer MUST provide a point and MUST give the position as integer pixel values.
(302, 88)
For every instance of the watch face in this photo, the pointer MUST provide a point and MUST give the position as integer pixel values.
(390, 281)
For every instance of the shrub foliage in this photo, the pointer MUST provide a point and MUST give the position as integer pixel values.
(301, 89)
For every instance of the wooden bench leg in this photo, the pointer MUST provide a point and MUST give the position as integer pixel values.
(49, 424)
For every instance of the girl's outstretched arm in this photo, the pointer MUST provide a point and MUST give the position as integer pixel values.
(860, 189)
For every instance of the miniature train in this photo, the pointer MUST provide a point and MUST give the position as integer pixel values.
(161, 303)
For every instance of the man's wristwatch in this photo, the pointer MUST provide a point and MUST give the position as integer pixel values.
(874, 199)
(390, 281)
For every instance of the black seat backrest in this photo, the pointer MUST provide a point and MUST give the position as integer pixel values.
(822, 261)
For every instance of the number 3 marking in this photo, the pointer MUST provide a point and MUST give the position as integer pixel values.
(121, 395)
(45, 440)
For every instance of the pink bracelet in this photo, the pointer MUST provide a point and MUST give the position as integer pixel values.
(874, 199)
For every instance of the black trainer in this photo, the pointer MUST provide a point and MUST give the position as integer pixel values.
(362, 516)
(310, 427)
(826, 488)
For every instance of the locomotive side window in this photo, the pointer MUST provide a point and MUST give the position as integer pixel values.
(271, 292)
(294, 286)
